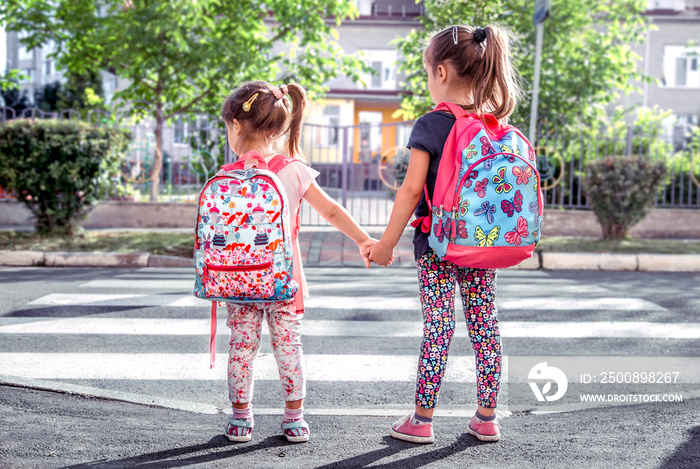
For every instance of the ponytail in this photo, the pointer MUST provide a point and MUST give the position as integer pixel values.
(298, 95)
(482, 59)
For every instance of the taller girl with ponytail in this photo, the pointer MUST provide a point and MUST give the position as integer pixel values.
(469, 67)
(267, 119)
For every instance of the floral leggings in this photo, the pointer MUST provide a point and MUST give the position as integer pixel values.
(437, 281)
(245, 322)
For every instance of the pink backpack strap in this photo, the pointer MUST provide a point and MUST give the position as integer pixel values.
(456, 110)
(212, 340)
(278, 162)
(240, 164)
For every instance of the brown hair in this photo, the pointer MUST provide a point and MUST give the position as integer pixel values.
(268, 118)
(482, 62)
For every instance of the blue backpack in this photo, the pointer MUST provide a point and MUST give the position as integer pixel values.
(487, 205)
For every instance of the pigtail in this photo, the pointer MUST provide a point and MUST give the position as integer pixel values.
(298, 95)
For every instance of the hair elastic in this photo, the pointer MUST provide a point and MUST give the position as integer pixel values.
(455, 35)
(479, 35)
(279, 93)
(247, 104)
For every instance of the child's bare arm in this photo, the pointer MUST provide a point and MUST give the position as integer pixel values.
(405, 204)
(336, 215)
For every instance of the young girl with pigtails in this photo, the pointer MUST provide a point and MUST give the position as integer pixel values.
(470, 67)
(267, 119)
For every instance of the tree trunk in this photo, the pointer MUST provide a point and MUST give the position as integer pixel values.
(158, 157)
(614, 231)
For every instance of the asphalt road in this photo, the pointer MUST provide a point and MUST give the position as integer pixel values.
(127, 351)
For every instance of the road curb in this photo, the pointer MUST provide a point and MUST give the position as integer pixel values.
(155, 260)
(620, 262)
(89, 259)
(539, 261)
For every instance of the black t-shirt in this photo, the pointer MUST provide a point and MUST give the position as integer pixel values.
(429, 134)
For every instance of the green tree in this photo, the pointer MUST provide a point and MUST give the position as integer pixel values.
(82, 91)
(15, 98)
(587, 60)
(185, 56)
(47, 97)
(10, 78)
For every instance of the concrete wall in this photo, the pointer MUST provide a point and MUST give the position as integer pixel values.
(660, 223)
(670, 31)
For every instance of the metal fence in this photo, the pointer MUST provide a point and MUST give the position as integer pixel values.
(362, 166)
(562, 157)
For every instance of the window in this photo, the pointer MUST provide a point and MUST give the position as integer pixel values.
(332, 114)
(28, 75)
(48, 68)
(667, 4)
(326, 133)
(384, 64)
(680, 67)
(377, 76)
(364, 7)
(23, 52)
(179, 131)
(110, 84)
(370, 135)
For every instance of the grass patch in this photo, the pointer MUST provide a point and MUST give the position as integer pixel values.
(630, 245)
(163, 243)
(180, 244)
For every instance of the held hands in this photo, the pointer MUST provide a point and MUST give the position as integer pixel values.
(381, 254)
(364, 250)
(368, 247)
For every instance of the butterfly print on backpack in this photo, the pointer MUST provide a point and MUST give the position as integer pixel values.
(487, 209)
(486, 240)
(513, 205)
(480, 187)
(502, 184)
(522, 174)
(520, 231)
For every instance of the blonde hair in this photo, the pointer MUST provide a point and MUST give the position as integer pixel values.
(268, 117)
(484, 63)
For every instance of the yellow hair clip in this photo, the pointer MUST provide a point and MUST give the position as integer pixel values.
(247, 104)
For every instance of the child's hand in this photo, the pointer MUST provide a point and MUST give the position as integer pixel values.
(381, 254)
(364, 249)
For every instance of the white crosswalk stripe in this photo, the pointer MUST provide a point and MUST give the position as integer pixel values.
(155, 366)
(170, 290)
(330, 328)
(369, 303)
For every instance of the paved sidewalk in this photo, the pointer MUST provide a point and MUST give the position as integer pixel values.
(326, 247)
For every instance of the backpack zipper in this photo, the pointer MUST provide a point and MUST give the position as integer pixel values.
(216, 178)
(238, 268)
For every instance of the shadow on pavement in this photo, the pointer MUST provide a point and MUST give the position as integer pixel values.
(688, 454)
(395, 446)
(172, 457)
(11, 274)
(71, 311)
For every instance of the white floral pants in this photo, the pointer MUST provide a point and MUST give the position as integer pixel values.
(245, 322)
